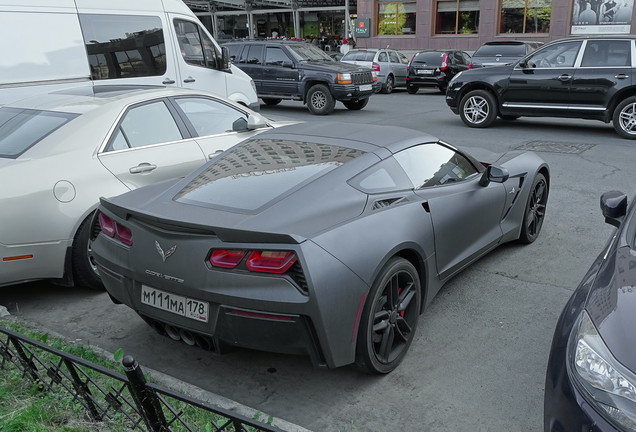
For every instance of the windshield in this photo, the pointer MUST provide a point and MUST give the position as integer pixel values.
(502, 50)
(306, 52)
(21, 129)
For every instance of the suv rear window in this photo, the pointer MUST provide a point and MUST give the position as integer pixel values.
(501, 49)
(260, 171)
(21, 129)
(432, 58)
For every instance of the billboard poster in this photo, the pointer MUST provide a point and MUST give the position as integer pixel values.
(602, 16)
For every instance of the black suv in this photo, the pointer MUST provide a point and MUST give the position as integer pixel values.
(300, 71)
(581, 77)
(434, 69)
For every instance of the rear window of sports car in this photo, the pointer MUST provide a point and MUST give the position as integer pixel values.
(260, 171)
(20, 129)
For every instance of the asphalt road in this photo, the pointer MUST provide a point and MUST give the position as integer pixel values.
(478, 359)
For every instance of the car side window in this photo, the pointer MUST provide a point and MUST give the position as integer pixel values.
(147, 124)
(211, 117)
(382, 57)
(434, 164)
(403, 59)
(394, 57)
(235, 52)
(607, 53)
(196, 47)
(252, 54)
(275, 56)
(559, 55)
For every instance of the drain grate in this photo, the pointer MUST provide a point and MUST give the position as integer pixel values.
(555, 147)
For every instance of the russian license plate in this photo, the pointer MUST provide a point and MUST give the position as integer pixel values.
(184, 306)
(425, 72)
(366, 87)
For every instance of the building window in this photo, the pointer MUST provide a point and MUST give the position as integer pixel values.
(396, 17)
(525, 16)
(457, 17)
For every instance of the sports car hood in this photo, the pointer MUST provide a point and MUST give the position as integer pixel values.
(611, 304)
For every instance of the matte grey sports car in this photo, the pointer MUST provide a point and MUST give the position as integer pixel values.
(323, 239)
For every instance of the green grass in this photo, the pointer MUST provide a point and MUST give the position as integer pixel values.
(25, 407)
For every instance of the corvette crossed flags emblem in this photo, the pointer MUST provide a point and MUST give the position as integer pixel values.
(165, 255)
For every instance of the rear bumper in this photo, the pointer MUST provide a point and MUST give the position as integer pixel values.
(427, 81)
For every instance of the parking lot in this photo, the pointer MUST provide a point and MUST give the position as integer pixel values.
(478, 359)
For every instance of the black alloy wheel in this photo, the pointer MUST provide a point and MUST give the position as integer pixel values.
(271, 101)
(478, 109)
(356, 104)
(535, 210)
(389, 319)
(388, 85)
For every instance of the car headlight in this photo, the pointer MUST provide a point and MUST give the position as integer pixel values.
(607, 385)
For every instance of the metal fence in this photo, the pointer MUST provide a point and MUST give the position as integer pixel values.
(108, 396)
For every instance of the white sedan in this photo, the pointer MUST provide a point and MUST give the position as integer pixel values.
(61, 151)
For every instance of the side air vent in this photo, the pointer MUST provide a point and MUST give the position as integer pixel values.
(386, 202)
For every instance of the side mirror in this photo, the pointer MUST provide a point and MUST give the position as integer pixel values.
(256, 121)
(614, 207)
(494, 174)
(225, 59)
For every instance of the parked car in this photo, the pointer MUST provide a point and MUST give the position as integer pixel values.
(300, 71)
(591, 375)
(61, 151)
(389, 65)
(434, 68)
(582, 77)
(323, 239)
(498, 53)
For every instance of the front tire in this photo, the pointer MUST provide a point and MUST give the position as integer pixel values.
(388, 85)
(84, 268)
(534, 212)
(271, 101)
(478, 109)
(389, 318)
(624, 118)
(357, 104)
(319, 100)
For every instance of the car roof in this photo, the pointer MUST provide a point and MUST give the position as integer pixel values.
(80, 100)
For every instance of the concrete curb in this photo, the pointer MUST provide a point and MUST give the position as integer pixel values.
(176, 384)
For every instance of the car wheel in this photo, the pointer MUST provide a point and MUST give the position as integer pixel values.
(535, 210)
(388, 85)
(319, 100)
(271, 101)
(357, 104)
(82, 261)
(411, 89)
(389, 318)
(478, 109)
(624, 119)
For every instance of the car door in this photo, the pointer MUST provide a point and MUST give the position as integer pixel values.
(466, 216)
(150, 143)
(605, 70)
(541, 82)
(251, 62)
(398, 66)
(280, 78)
(215, 124)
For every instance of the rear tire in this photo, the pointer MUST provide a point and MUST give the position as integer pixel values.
(389, 319)
(534, 213)
(388, 85)
(478, 109)
(356, 105)
(411, 89)
(271, 101)
(319, 100)
(624, 118)
(84, 268)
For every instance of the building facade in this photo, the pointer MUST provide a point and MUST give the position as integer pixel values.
(466, 24)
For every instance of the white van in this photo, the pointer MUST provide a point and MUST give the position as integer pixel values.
(61, 43)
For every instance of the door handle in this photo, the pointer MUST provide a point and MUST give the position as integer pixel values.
(565, 77)
(189, 80)
(142, 168)
(621, 76)
(168, 81)
(211, 155)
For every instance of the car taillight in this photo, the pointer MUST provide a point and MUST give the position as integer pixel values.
(115, 230)
(271, 261)
(375, 66)
(408, 68)
(227, 258)
(444, 65)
